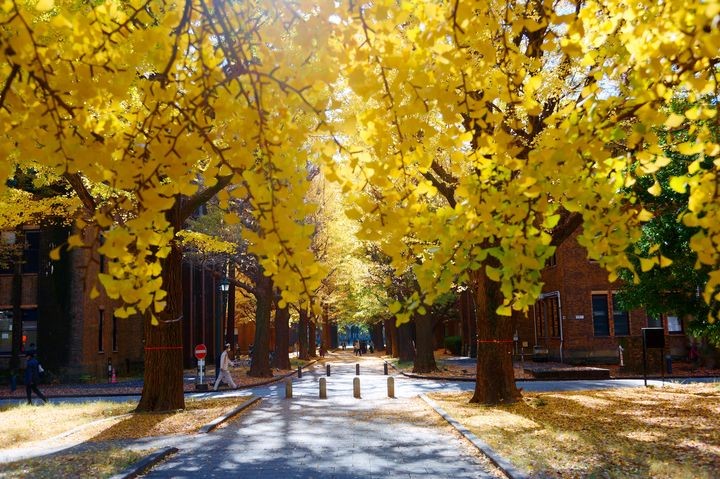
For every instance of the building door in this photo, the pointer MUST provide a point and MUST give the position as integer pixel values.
(547, 321)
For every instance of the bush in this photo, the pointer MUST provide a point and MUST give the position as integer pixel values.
(453, 344)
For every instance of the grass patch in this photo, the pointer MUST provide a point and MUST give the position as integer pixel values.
(97, 457)
(100, 463)
(25, 425)
(669, 432)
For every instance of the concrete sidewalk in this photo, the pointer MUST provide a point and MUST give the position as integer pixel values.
(339, 437)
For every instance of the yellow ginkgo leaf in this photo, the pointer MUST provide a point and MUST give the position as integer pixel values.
(646, 264)
(678, 183)
(674, 120)
(45, 5)
(655, 189)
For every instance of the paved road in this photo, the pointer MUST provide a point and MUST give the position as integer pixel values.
(339, 437)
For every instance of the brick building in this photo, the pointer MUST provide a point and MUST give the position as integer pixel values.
(73, 335)
(577, 318)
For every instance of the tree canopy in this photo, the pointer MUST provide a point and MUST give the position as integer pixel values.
(468, 133)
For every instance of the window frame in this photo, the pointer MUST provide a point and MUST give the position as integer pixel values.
(604, 295)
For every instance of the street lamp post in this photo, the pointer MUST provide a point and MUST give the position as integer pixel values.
(223, 288)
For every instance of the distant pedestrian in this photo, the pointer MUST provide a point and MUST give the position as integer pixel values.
(224, 374)
(356, 348)
(32, 378)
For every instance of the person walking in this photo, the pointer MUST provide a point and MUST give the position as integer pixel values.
(32, 377)
(225, 370)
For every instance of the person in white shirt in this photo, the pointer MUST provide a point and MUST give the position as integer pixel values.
(225, 370)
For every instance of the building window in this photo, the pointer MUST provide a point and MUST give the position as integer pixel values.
(101, 316)
(621, 319)
(31, 256)
(114, 333)
(5, 332)
(601, 323)
(29, 330)
(654, 322)
(675, 325)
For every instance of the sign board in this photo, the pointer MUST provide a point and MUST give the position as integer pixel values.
(200, 351)
(654, 337)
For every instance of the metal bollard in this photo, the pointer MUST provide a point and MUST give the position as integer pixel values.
(299, 372)
(357, 369)
(356, 388)
(385, 368)
(391, 387)
(288, 388)
(327, 369)
(323, 388)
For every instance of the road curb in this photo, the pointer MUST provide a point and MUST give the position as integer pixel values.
(503, 464)
(216, 422)
(144, 464)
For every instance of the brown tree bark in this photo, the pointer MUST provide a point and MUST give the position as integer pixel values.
(325, 333)
(495, 381)
(303, 335)
(391, 333)
(260, 362)
(163, 377)
(312, 341)
(405, 347)
(230, 321)
(282, 338)
(462, 302)
(376, 334)
(424, 345)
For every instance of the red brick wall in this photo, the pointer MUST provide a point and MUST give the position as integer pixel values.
(576, 279)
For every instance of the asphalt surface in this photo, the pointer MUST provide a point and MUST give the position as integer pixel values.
(339, 437)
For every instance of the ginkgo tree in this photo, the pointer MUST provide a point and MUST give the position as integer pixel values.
(161, 104)
(529, 119)
(478, 135)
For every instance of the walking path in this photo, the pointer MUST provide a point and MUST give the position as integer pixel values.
(339, 437)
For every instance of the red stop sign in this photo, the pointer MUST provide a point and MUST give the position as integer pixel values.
(200, 351)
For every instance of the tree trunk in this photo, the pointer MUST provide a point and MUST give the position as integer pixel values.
(312, 339)
(325, 333)
(472, 323)
(376, 334)
(405, 347)
(463, 301)
(163, 378)
(303, 335)
(16, 295)
(260, 364)
(495, 381)
(282, 338)
(424, 343)
(391, 333)
(230, 322)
